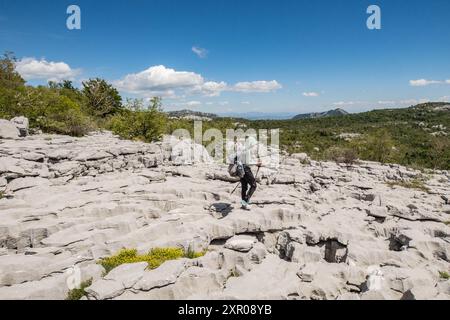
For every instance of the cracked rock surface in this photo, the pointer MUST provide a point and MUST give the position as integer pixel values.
(316, 230)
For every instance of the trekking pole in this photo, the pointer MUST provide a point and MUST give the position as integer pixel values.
(235, 188)
(256, 177)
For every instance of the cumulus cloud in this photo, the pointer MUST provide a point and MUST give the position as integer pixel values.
(311, 94)
(166, 82)
(423, 82)
(447, 81)
(33, 69)
(159, 80)
(200, 52)
(211, 88)
(245, 102)
(257, 86)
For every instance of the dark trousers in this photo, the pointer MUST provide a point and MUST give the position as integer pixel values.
(246, 181)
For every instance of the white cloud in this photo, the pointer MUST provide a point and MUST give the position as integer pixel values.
(385, 102)
(311, 94)
(423, 82)
(447, 81)
(159, 80)
(211, 88)
(345, 103)
(166, 82)
(245, 102)
(224, 103)
(193, 103)
(33, 69)
(257, 86)
(200, 52)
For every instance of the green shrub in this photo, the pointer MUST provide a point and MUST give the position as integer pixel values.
(444, 275)
(154, 258)
(347, 156)
(78, 293)
(145, 125)
(53, 112)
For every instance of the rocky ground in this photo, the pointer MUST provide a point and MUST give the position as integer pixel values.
(317, 230)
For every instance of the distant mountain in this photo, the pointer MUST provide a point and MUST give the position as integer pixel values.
(330, 113)
(259, 115)
(189, 114)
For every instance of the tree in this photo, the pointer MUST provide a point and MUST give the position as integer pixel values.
(134, 104)
(9, 77)
(65, 84)
(102, 98)
(136, 122)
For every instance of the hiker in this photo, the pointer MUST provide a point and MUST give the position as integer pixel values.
(243, 157)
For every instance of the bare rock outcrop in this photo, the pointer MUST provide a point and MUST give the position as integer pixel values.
(317, 230)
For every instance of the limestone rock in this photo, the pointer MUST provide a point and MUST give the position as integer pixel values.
(22, 124)
(166, 274)
(317, 230)
(8, 130)
(241, 243)
(25, 183)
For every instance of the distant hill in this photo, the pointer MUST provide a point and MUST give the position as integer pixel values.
(433, 106)
(330, 113)
(259, 115)
(189, 114)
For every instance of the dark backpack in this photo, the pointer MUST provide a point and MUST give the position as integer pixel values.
(236, 169)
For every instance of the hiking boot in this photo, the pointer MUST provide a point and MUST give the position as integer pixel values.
(245, 205)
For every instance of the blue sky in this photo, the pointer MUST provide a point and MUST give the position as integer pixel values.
(240, 55)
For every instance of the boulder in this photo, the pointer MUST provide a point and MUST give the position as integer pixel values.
(302, 157)
(166, 274)
(241, 243)
(105, 289)
(128, 274)
(22, 124)
(8, 130)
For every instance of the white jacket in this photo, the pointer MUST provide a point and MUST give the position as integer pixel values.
(247, 153)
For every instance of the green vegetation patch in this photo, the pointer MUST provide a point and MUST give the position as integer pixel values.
(413, 184)
(444, 275)
(77, 294)
(154, 258)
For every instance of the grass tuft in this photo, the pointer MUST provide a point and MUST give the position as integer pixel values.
(412, 184)
(77, 294)
(154, 258)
